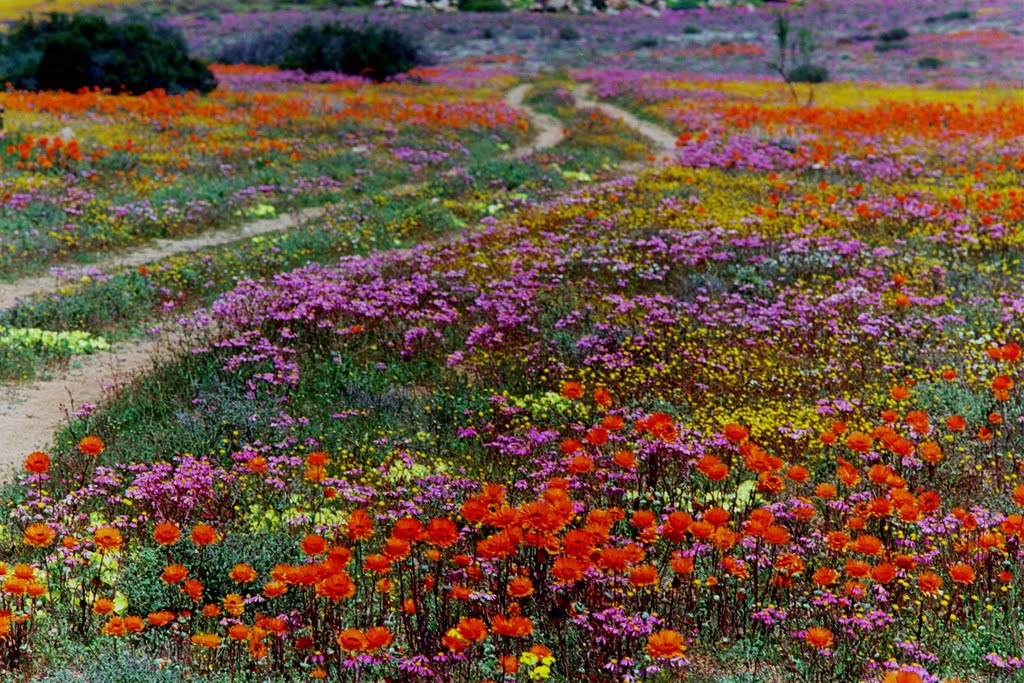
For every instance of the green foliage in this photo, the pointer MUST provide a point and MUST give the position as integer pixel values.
(808, 73)
(373, 51)
(482, 6)
(645, 42)
(929, 62)
(894, 35)
(115, 666)
(568, 33)
(956, 15)
(795, 55)
(70, 52)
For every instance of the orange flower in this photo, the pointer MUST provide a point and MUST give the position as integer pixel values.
(643, 575)
(173, 573)
(313, 544)
(665, 644)
(902, 677)
(114, 627)
(956, 423)
(359, 525)
(352, 640)
(37, 462)
(274, 589)
(471, 629)
(612, 423)
(883, 573)
(317, 459)
(819, 638)
(193, 589)
(929, 582)
(899, 392)
(511, 627)
(520, 587)
(242, 573)
(103, 606)
(625, 459)
(166, 533)
(572, 390)
(825, 576)
(442, 532)
(108, 538)
(238, 632)
(161, 618)
(207, 640)
(736, 433)
(1002, 383)
(409, 529)
(203, 534)
(378, 637)
(336, 587)
(39, 535)
(234, 604)
(580, 464)
(961, 573)
(859, 442)
(91, 445)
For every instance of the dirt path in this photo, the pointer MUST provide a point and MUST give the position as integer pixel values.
(664, 141)
(549, 129)
(32, 413)
(549, 135)
(11, 292)
(29, 415)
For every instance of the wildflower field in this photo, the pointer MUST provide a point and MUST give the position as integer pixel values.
(498, 387)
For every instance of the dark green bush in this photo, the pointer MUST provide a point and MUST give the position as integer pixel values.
(482, 6)
(808, 73)
(568, 33)
(372, 51)
(66, 52)
(956, 15)
(929, 63)
(894, 35)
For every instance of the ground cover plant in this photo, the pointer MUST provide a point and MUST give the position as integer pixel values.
(750, 413)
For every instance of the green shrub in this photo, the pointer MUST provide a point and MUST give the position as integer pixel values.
(894, 35)
(482, 6)
(956, 15)
(929, 63)
(568, 33)
(65, 52)
(691, 30)
(113, 666)
(645, 42)
(372, 51)
(808, 73)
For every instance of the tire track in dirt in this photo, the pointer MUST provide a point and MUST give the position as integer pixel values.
(663, 140)
(12, 292)
(550, 131)
(30, 414)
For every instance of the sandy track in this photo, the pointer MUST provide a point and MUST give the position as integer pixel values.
(31, 414)
(549, 129)
(11, 292)
(663, 140)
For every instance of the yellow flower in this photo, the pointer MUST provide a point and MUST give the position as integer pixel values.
(540, 673)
